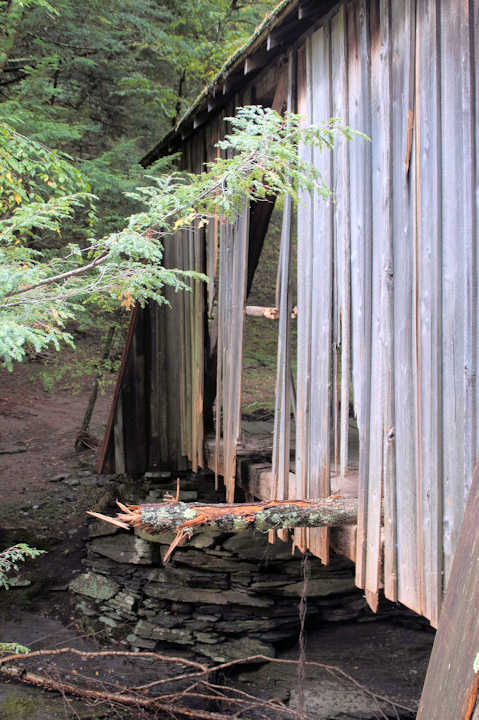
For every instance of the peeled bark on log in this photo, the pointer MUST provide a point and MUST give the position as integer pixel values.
(186, 518)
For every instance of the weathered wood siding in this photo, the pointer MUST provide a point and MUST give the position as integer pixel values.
(156, 421)
(387, 292)
(395, 259)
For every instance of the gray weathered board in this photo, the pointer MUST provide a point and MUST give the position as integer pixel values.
(402, 258)
(450, 675)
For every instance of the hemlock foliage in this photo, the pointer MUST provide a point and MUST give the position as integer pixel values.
(104, 80)
(82, 226)
(100, 82)
(40, 291)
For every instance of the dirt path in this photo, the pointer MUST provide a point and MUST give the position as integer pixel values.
(45, 486)
(38, 431)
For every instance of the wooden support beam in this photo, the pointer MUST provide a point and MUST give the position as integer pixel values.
(256, 61)
(200, 119)
(231, 82)
(285, 32)
(306, 9)
(271, 313)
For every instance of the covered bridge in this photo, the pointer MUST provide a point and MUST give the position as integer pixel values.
(386, 292)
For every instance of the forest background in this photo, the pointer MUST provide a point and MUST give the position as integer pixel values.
(101, 82)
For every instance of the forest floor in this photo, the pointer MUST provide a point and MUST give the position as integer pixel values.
(45, 489)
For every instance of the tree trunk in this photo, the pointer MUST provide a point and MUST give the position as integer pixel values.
(11, 24)
(82, 437)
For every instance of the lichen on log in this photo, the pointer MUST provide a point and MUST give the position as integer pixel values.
(186, 518)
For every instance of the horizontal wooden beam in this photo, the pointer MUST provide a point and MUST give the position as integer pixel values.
(271, 313)
(306, 9)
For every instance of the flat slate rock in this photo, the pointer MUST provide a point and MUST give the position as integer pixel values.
(95, 586)
(199, 595)
(318, 587)
(124, 549)
(235, 649)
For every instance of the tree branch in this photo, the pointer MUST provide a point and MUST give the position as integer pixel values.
(62, 276)
(176, 702)
(186, 518)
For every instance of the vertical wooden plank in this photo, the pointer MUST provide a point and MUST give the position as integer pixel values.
(403, 182)
(153, 387)
(469, 13)
(226, 304)
(387, 303)
(199, 344)
(163, 400)
(456, 232)
(134, 406)
(228, 360)
(304, 267)
(176, 258)
(360, 204)
(321, 296)
(475, 91)
(282, 430)
(231, 301)
(219, 363)
(193, 450)
(428, 128)
(120, 466)
(243, 231)
(212, 152)
(381, 284)
(282, 416)
(186, 263)
(172, 318)
(179, 310)
(342, 230)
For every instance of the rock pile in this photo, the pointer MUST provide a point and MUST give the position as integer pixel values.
(221, 597)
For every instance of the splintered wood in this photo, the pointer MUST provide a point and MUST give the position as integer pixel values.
(186, 518)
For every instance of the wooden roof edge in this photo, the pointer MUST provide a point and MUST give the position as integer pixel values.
(290, 17)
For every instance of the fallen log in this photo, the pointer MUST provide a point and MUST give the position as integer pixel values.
(186, 518)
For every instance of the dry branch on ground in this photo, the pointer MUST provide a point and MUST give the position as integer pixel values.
(176, 698)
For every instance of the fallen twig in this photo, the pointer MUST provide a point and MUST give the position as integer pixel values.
(86, 655)
(331, 669)
(47, 683)
(199, 687)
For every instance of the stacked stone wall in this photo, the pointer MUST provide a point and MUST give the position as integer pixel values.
(220, 597)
